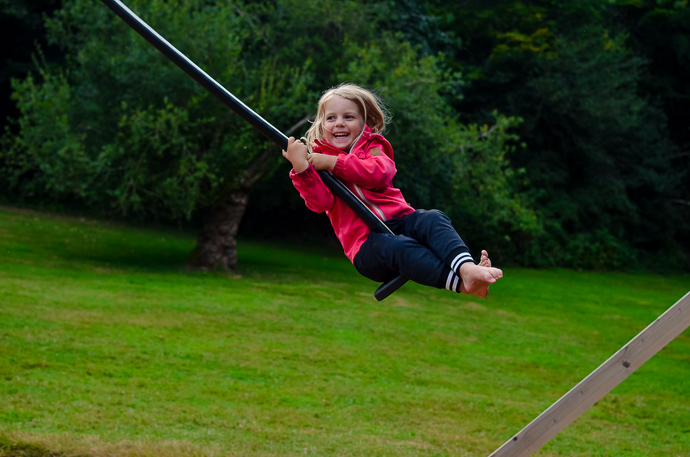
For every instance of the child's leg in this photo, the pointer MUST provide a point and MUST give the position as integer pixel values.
(384, 256)
(434, 230)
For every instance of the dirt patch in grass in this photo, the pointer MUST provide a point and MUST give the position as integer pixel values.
(20, 444)
(8, 449)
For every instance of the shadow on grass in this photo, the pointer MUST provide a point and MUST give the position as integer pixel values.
(31, 237)
(41, 239)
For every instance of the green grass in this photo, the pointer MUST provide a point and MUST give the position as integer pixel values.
(109, 347)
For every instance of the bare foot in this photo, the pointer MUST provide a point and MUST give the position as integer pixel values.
(477, 278)
(485, 261)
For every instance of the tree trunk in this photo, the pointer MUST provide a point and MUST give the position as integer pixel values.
(216, 247)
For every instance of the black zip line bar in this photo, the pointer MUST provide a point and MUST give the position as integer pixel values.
(256, 121)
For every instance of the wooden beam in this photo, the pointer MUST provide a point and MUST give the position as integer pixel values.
(600, 382)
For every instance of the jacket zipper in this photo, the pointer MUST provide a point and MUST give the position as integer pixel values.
(375, 208)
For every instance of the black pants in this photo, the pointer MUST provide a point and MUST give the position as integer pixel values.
(425, 249)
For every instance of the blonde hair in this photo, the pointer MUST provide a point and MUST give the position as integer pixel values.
(370, 106)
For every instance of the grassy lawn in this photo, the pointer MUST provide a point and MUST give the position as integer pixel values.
(109, 347)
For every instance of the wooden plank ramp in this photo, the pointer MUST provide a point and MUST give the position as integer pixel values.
(600, 382)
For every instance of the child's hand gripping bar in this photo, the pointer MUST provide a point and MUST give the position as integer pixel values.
(259, 123)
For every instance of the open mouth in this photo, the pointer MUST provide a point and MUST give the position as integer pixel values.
(341, 135)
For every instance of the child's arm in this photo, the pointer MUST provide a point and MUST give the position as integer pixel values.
(297, 155)
(373, 171)
(308, 183)
(322, 161)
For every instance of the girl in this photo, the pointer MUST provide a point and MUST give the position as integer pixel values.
(345, 140)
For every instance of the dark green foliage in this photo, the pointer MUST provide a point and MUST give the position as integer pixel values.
(597, 155)
(127, 131)
(553, 133)
(22, 32)
(604, 135)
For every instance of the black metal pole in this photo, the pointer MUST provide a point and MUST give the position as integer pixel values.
(256, 121)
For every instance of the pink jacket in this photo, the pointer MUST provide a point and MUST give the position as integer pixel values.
(368, 172)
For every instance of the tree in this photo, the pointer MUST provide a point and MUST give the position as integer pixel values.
(659, 32)
(599, 155)
(119, 127)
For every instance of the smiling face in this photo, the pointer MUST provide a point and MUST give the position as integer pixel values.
(343, 122)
